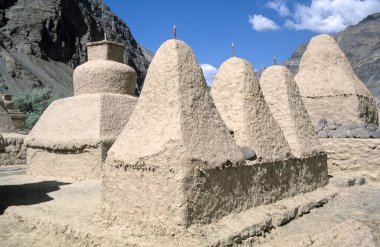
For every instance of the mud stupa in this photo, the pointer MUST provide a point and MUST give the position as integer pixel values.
(176, 165)
(174, 140)
(329, 86)
(5, 119)
(72, 137)
(240, 102)
(17, 117)
(285, 103)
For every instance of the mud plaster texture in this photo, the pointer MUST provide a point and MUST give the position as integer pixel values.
(103, 76)
(74, 134)
(285, 103)
(239, 100)
(72, 137)
(330, 87)
(5, 119)
(174, 134)
(176, 165)
(14, 152)
(105, 72)
(361, 156)
(105, 50)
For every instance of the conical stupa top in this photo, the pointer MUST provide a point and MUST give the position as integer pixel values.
(175, 116)
(285, 103)
(325, 71)
(239, 99)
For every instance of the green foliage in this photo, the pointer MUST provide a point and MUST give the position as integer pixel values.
(33, 104)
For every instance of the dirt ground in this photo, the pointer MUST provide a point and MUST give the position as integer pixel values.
(352, 218)
(358, 203)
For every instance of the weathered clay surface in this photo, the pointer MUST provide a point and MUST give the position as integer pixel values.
(87, 131)
(285, 103)
(239, 100)
(105, 72)
(17, 117)
(329, 86)
(12, 149)
(103, 76)
(354, 155)
(105, 50)
(177, 155)
(174, 134)
(82, 163)
(5, 120)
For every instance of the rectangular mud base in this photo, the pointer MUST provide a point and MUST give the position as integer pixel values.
(84, 164)
(166, 202)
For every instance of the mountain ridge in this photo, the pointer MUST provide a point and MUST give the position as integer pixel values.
(42, 41)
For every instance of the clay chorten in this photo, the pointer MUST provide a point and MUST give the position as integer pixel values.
(72, 137)
(158, 170)
(285, 103)
(5, 120)
(329, 86)
(17, 117)
(240, 102)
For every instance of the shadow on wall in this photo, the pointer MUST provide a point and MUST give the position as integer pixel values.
(27, 194)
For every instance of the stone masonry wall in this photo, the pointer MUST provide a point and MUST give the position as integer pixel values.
(354, 155)
(15, 151)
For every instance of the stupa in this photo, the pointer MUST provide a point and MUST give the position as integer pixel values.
(240, 102)
(285, 103)
(330, 87)
(5, 120)
(17, 117)
(72, 137)
(176, 165)
(157, 168)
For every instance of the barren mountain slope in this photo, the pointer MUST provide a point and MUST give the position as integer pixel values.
(42, 41)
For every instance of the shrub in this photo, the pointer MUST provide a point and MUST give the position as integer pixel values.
(33, 104)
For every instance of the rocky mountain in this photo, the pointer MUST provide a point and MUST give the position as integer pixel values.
(361, 44)
(42, 41)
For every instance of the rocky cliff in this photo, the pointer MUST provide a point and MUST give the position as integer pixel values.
(42, 41)
(361, 44)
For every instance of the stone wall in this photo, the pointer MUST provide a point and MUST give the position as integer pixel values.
(354, 156)
(15, 151)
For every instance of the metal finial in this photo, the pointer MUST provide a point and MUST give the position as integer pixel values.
(274, 60)
(233, 49)
(105, 36)
(175, 32)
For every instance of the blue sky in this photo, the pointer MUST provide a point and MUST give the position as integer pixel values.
(259, 29)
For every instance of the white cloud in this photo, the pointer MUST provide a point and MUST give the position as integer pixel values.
(330, 16)
(279, 6)
(209, 72)
(261, 23)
